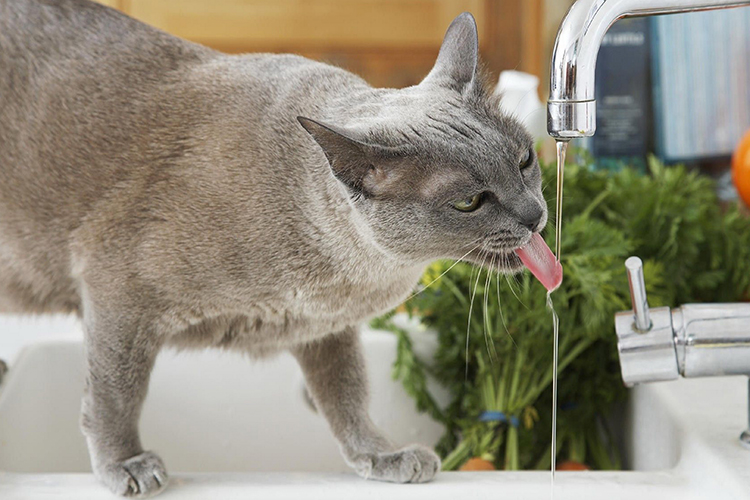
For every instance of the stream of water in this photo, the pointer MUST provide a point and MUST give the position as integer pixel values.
(562, 147)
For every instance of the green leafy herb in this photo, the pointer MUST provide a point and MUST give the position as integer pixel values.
(692, 251)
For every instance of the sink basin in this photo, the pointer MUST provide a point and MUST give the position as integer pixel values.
(232, 428)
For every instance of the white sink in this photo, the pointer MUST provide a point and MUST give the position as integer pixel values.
(231, 428)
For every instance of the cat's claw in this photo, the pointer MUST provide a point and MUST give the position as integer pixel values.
(413, 464)
(140, 476)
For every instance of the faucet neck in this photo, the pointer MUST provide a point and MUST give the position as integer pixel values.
(571, 108)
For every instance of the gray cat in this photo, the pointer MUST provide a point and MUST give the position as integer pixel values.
(171, 195)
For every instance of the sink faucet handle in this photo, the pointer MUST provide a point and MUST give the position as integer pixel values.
(634, 265)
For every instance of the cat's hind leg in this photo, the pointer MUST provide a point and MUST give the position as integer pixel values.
(335, 374)
(120, 352)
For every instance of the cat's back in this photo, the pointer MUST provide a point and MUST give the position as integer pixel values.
(79, 85)
(79, 88)
(82, 93)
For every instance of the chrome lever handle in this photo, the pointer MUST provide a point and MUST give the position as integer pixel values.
(642, 318)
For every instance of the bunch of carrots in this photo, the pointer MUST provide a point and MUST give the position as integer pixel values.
(499, 381)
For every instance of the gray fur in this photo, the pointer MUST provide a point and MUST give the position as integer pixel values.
(171, 195)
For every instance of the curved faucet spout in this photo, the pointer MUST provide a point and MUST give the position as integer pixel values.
(571, 111)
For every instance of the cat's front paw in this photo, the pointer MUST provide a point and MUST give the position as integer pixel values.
(140, 476)
(413, 464)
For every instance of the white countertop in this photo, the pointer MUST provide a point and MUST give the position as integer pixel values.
(699, 419)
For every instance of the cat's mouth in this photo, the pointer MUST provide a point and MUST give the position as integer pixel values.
(496, 259)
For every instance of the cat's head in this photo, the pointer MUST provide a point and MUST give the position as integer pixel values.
(437, 170)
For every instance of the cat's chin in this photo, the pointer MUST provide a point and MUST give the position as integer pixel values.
(504, 261)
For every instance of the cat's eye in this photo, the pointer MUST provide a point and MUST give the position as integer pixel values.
(527, 159)
(469, 204)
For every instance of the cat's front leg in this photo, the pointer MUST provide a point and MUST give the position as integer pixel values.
(335, 373)
(120, 352)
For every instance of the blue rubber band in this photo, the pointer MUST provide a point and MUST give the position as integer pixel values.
(498, 416)
(493, 416)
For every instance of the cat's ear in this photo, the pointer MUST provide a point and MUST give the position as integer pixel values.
(350, 158)
(456, 65)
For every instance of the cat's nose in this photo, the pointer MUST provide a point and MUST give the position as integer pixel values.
(531, 217)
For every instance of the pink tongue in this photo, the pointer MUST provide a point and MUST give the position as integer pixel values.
(541, 262)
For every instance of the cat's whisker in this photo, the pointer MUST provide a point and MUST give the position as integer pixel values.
(484, 309)
(502, 316)
(521, 100)
(512, 289)
(442, 274)
(483, 256)
(538, 110)
(485, 316)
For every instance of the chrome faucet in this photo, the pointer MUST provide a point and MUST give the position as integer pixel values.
(693, 340)
(571, 109)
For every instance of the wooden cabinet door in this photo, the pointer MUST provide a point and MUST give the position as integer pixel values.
(388, 42)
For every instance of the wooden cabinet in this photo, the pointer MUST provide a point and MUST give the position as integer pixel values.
(388, 42)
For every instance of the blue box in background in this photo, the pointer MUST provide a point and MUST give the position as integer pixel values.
(675, 85)
(701, 73)
(623, 96)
